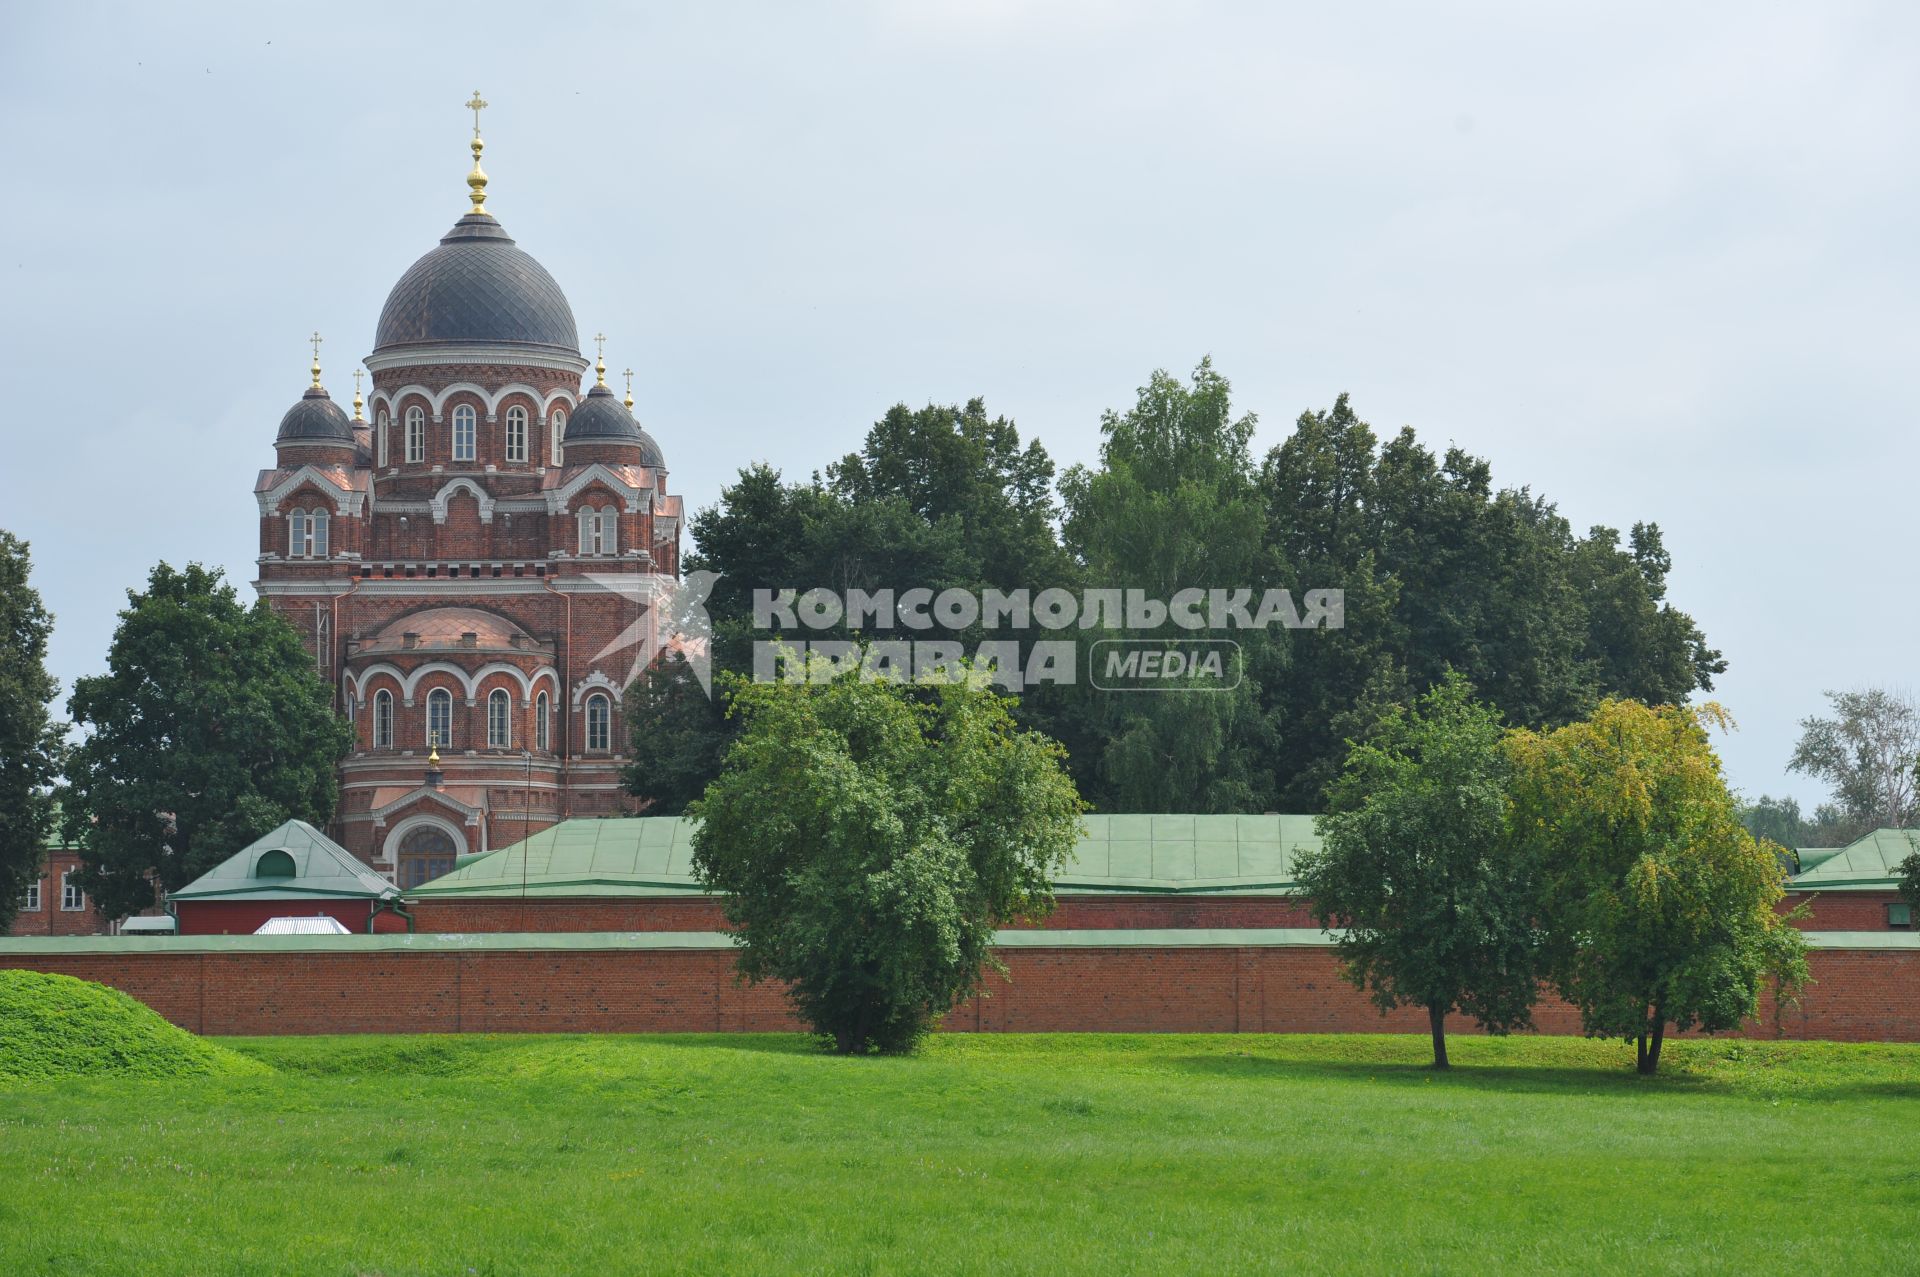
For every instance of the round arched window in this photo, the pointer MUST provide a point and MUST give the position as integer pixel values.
(426, 852)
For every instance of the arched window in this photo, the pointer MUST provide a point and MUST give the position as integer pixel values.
(297, 535)
(499, 720)
(599, 722)
(559, 432)
(416, 435)
(540, 722)
(426, 852)
(380, 441)
(599, 531)
(439, 717)
(463, 433)
(317, 534)
(383, 719)
(516, 434)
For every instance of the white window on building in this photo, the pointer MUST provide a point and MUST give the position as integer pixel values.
(416, 435)
(31, 904)
(540, 713)
(439, 718)
(72, 899)
(463, 430)
(499, 720)
(516, 434)
(383, 720)
(559, 432)
(380, 441)
(317, 534)
(599, 722)
(297, 534)
(599, 531)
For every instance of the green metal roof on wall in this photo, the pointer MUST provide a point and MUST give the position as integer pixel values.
(653, 856)
(1870, 862)
(321, 868)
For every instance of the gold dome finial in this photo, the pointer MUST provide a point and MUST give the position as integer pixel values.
(600, 362)
(358, 402)
(477, 180)
(316, 339)
(629, 390)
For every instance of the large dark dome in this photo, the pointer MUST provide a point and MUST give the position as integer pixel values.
(315, 419)
(601, 418)
(477, 286)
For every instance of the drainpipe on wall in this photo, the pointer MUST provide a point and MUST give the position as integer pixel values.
(562, 704)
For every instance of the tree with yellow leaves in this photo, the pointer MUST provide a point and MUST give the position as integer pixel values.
(1660, 904)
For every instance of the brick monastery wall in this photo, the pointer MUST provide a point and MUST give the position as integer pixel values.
(1831, 912)
(1860, 994)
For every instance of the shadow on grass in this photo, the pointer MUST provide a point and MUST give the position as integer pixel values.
(1535, 1079)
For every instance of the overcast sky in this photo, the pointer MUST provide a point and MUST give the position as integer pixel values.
(1653, 263)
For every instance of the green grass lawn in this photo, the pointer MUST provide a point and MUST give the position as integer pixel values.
(988, 1154)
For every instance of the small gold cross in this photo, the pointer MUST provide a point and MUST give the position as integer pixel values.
(477, 105)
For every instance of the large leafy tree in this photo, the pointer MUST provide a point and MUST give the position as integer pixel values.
(31, 742)
(1172, 506)
(1866, 751)
(1444, 572)
(1661, 902)
(1440, 906)
(210, 727)
(939, 497)
(869, 837)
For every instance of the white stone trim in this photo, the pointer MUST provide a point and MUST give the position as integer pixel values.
(390, 848)
(455, 353)
(596, 681)
(469, 682)
(559, 498)
(438, 505)
(348, 503)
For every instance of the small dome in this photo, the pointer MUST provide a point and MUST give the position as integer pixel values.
(315, 419)
(477, 286)
(601, 418)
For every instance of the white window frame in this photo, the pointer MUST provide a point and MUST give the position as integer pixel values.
(383, 719)
(380, 440)
(416, 442)
(516, 434)
(600, 708)
(442, 696)
(542, 716)
(72, 899)
(559, 419)
(297, 542)
(317, 522)
(30, 903)
(609, 531)
(499, 719)
(465, 432)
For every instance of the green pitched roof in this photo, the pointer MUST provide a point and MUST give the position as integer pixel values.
(653, 856)
(1870, 862)
(321, 868)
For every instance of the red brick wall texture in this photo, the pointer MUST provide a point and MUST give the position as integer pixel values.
(1861, 995)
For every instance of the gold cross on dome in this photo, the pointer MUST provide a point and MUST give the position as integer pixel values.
(476, 105)
(316, 339)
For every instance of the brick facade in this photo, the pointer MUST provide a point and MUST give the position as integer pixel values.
(470, 577)
(1858, 995)
(50, 914)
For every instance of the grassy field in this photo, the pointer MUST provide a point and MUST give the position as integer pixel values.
(985, 1154)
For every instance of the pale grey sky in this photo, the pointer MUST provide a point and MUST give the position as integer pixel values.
(1653, 262)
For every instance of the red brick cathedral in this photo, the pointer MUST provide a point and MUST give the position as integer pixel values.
(471, 568)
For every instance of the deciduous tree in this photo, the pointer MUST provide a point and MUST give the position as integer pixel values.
(1866, 751)
(31, 742)
(1661, 903)
(869, 837)
(210, 727)
(1440, 906)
